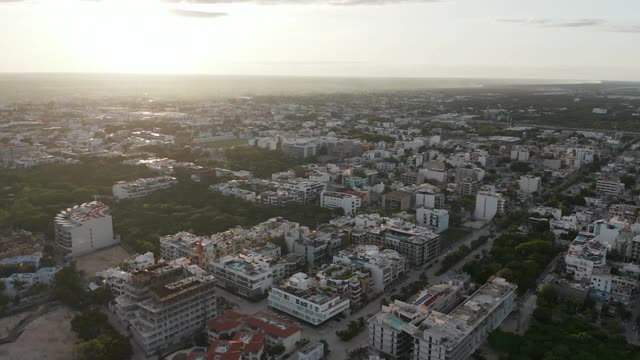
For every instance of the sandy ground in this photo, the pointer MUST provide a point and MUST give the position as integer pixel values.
(47, 338)
(9, 322)
(101, 260)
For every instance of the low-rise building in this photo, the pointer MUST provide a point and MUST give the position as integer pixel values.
(275, 330)
(387, 267)
(300, 296)
(396, 201)
(435, 219)
(529, 184)
(250, 275)
(583, 256)
(141, 187)
(337, 200)
(609, 186)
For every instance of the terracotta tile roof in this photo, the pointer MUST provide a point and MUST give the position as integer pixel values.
(283, 331)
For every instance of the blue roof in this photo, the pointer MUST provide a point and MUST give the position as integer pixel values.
(422, 299)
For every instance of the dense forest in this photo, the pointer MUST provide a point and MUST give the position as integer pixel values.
(32, 197)
(565, 330)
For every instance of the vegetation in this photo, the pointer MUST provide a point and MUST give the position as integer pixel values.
(261, 162)
(34, 196)
(564, 330)
(354, 328)
(518, 258)
(100, 341)
(406, 292)
(361, 353)
(460, 253)
(453, 235)
(68, 290)
(192, 207)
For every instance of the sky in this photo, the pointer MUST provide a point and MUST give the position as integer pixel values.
(551, 39)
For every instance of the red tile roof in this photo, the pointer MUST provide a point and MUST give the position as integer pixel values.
(283, 332)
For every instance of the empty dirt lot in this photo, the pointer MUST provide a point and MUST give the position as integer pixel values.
(101, 260)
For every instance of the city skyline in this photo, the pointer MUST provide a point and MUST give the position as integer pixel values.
(582, 40)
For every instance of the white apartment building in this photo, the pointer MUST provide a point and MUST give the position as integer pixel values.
(529, 184)
(520, 153)
(141, 187)
(583, 256)
(248, 275)
(166, 303)
(435, 219)
(115, 279)
(337, 200)
(417, 244)
(83, 229)
(424, 195)
(404, 331)
(308, 191)
(546, 211)
(188, 245)
(300, 297)
(609, 186)
(460, 333)
(300, 148)
(387, 267)
(488, 205)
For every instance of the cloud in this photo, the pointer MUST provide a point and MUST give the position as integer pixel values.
(555, 23)
(304, 2)
(632, 29)
(197, 14)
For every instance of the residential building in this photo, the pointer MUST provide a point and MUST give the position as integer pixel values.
(83, 229)
(409, 331)
(488, 205)
(529, 184)
(318, 247)
(435, 219)
(275, 330)
(337, 200)
(245, 345)
(520, 153)
(44, 276)
(429, 198)
(387, 267)
(583, 256)
(300, 148)
(141, 187)
(307, 191)
(166, 303)
(188, 245)
(417, 244)
(301, 297)
(349, 281)
(469, 187)
(609, 186)
(249, 275)
(396, 201)
(115, 279)
(457, 335)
